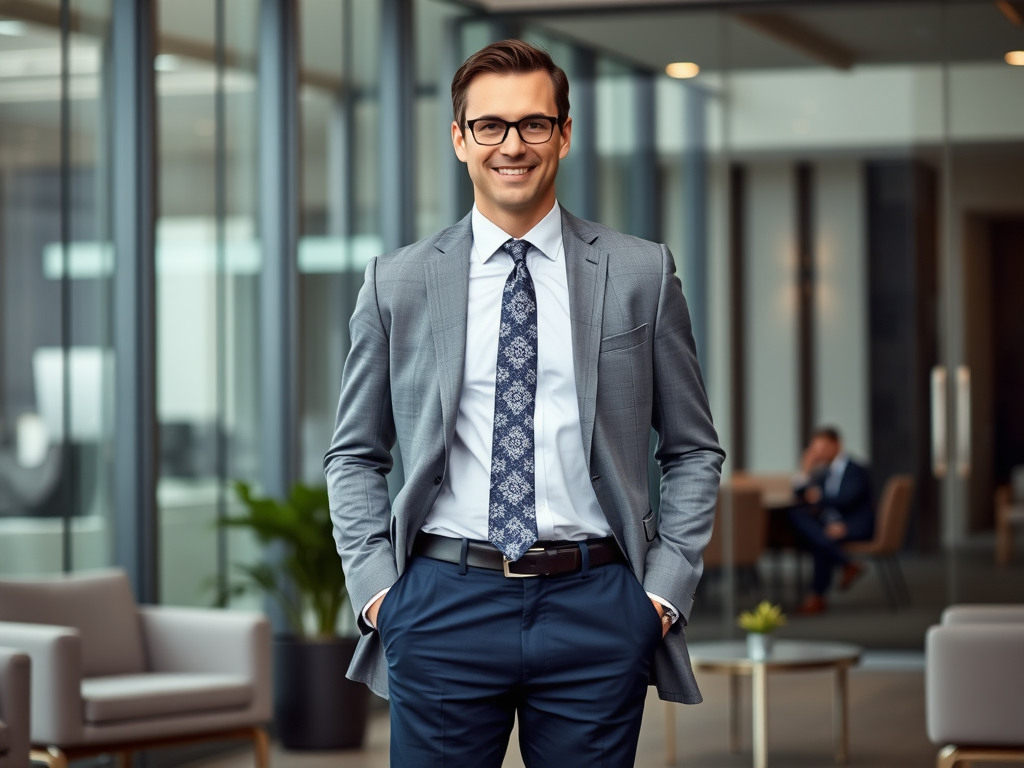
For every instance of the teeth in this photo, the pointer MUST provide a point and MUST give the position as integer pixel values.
(512, 171)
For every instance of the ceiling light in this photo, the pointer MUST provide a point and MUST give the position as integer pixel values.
(12, 28)
(682, 70)
(166, 62)
(1015, 58)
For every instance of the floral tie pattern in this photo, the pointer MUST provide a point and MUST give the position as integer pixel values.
(512, 512)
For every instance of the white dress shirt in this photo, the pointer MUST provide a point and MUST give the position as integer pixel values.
(567, 507)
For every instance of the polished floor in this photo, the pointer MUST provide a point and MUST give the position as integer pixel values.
(887, 726)
(887, 718)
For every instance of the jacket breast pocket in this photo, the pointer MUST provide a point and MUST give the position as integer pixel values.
(626, 340)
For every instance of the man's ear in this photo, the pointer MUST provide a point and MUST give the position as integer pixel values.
(566, 138)
(458, 141)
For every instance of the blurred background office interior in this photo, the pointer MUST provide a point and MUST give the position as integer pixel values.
(191, 189)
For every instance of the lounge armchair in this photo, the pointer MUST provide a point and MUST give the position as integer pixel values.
(974, 682)
(14, 703)
(110, 677)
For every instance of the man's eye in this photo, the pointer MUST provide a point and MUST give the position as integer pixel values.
(489, 127)
(535, 125)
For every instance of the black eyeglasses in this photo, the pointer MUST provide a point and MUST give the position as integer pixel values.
(491, 131)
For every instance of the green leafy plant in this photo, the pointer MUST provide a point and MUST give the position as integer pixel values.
(763, 619)
(306, 579)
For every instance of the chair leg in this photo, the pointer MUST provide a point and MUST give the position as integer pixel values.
(901, 582)
(261, 747)
(890, 595)
(52, 757)
(123, 759)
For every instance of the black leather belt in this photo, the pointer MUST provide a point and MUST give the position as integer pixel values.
(545, 558)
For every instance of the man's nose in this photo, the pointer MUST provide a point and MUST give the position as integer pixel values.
(513, 144)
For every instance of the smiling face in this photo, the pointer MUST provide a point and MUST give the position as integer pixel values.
(513, 182)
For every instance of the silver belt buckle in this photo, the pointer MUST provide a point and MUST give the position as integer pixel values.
(509, 575)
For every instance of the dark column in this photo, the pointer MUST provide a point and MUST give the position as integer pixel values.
(397, 124)
(278, 145)
(134, 211)
(643, 193)
(581, 164)
(456, 187)
(695, 218)
(738, 316)
(902, 261)
(807, 396)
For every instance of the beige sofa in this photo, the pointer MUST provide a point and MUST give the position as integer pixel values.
(974, 681)
(14, 708)
(112, 677)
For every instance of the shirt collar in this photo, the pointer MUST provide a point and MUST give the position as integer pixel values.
(546, 236)
(839, 463)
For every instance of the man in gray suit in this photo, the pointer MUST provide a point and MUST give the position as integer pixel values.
(520, 359)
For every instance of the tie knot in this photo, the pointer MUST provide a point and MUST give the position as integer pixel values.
(516, 249)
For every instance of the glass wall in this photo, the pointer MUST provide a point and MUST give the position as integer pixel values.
(845, 217)
(208, 268)
(55, 272)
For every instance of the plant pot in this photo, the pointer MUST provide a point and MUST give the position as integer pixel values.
(759, 645)
(315, 705)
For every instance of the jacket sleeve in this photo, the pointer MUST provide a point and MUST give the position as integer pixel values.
(688, 452)
(359, 458)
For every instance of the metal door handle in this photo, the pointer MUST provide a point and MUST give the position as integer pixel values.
(940, 446)
(963, 421)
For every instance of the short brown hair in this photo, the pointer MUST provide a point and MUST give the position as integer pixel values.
(509, 57)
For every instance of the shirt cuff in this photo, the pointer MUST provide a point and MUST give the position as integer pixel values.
(670, 610)
(366, 607)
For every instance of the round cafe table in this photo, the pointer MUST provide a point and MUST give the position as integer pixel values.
(786, 656)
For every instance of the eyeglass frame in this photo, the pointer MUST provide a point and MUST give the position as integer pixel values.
(555, 123)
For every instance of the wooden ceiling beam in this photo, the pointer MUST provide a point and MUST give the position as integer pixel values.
(796, 35)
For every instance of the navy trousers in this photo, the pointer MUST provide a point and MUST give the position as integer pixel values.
(827, 553)
(468, 649)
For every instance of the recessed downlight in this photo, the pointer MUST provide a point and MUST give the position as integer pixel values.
(682, 70)
(1015, 58)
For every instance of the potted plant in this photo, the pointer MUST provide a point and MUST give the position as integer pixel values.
(315, 706)
(759, 624)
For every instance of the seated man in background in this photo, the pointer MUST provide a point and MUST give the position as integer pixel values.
(835, 496)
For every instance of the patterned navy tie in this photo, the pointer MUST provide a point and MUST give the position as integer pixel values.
(512, 513)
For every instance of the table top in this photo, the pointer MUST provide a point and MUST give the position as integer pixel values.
(785, 654)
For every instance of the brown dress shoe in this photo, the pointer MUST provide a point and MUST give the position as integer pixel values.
(811, 605)
(851, 572)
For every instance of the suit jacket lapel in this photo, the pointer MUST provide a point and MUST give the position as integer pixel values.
(586, 267)
(447, 282)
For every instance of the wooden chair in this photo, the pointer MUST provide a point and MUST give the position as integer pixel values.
(749, 529)
(1009, 513)
(890, 531)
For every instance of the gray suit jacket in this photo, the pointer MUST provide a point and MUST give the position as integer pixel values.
(636, 367)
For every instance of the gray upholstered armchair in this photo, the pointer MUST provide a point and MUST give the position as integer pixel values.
(14, 703)
(112, 677)
(974, 682)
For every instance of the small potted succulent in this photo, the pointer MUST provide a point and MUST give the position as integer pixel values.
(760, 624)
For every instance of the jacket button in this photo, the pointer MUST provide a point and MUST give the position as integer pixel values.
(437, 480)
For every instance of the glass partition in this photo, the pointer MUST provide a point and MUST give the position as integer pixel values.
(208, 267)
(55, 271)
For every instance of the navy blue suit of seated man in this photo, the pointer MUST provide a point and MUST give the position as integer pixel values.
(835, 506)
